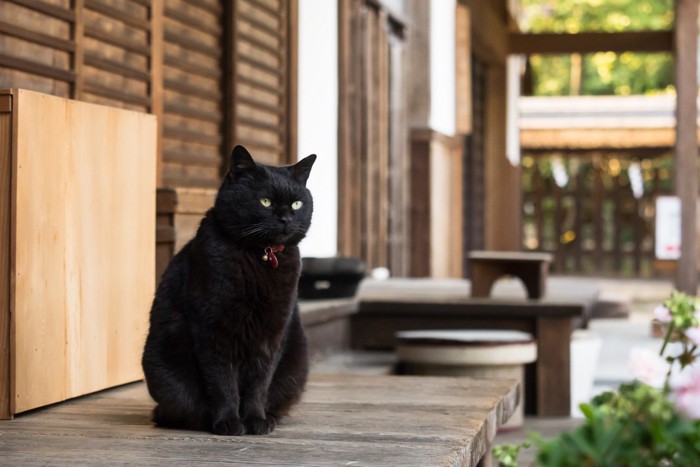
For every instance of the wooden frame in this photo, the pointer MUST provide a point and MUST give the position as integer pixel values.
(686, 144)
(587, 42)
(490, 31)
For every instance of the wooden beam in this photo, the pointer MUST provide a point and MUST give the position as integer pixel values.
(502, 180)
(6, 130)
(346, 241)
(587, 42)
(229, 81)
(78, 57)
(292, 123)
(573, 139)
(157, 48)
(463, 70)
(489, 31)
(686, 140)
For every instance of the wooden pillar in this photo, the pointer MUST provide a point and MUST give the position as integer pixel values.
(78, 31)
(503, 198)
(686, 140)
(156, 69)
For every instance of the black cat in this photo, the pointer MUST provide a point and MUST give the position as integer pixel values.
(226, 351)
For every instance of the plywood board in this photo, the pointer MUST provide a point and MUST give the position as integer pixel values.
(84, 246)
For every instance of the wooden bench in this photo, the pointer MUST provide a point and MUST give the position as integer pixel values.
(342, 420)
(486, 267)
(547, 389)
(327, 324)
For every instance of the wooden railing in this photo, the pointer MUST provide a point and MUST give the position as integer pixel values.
(583, 209)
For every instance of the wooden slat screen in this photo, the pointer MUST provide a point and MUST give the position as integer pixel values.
(116, 54)
(215, 72)
(193, 111)
(259, 90)
(37, 45)
(373, 163)
(593, 224)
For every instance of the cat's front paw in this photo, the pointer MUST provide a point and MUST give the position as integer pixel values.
(228, 426)
(259, 426)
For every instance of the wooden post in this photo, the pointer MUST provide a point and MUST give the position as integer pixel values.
(6, 390)
(156, 83)
(292, 127)
(78, 29)
(686, 140)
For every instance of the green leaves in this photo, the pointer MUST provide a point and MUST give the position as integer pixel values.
(636, 426)
(572, 16)
(604, 73)
(682, 309)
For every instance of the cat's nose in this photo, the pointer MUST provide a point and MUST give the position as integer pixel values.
(286, 220)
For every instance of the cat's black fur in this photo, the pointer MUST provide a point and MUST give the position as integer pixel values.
(226, 351)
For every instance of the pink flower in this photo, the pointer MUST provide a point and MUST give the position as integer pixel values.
(662, 314)
(693, 334)
(648, 367)
(685, 391)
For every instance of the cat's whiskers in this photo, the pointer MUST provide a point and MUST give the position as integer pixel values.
(251, 231)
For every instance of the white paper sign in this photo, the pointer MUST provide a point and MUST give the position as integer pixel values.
(668, 227)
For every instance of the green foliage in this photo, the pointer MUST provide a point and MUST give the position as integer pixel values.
(572, 16)
(684, 315)
(682, 308)
(507, 454)
(604, 73)
(635, 426)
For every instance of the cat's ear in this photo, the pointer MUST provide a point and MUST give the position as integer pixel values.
(301, 170)
(242, 162)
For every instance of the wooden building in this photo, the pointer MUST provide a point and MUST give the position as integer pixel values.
(682, 42)
(434, 181)
(414, 193)
(213, 72)
(593, 168)
(217, 72)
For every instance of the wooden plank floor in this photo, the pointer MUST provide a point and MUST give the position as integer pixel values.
(342, 420)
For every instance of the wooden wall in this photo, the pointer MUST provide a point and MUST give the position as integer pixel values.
(192, 93)
(215, 72)
(437, 207)
(261, 78)
(492, 184)
(373, 164)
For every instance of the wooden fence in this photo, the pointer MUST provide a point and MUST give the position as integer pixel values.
(595, 212)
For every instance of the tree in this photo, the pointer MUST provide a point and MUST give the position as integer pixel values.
(604, 72)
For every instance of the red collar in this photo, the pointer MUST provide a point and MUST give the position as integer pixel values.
(270, 255)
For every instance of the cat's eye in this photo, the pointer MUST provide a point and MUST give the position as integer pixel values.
(296, 205)
(266, 202)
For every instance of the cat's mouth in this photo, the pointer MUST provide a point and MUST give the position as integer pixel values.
(282, 238)
(287, 236)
